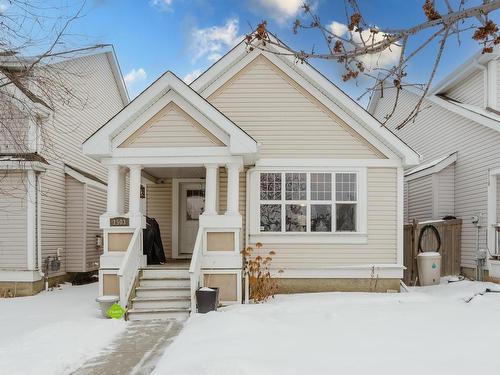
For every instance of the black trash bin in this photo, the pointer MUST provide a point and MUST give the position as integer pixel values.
(207, 299)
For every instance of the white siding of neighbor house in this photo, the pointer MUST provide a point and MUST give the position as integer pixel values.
(13, 129)
(95, 206)
(437, 132)
(91, 80)
(286, 120)
(381, 246)
(13, 213)
(469, 90)
(172, 128)
(75, 227)
(444, 188)
(420, 199)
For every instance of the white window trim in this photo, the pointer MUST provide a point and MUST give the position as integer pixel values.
(358, 237)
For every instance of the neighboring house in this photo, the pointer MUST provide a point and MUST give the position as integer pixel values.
(51, 195)
(458, 135)
(257, 149)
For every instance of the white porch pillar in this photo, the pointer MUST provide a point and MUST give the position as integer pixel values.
(211, 189)
(233, 188)
(122, 182)
(134, 199)
(112, 193)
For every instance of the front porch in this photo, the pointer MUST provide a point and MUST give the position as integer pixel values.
(198, 212)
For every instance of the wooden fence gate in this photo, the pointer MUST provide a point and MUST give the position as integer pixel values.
(450, 233)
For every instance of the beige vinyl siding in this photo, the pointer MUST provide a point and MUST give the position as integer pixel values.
(498, 85)
(445, 190)
(381, 246)
(242, 198)
(469, 90)
(95, 205)
(420, 199)
(159, 206)
(91, 80)
(75, 225)
(13, 215)
(172, 127)
(437, 132)
(13, 129)
(284, 118)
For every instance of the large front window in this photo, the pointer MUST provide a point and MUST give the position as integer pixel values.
(308, 201)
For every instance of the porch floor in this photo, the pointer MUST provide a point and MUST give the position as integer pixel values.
(170, 264)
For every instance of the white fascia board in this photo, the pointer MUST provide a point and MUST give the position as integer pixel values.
(83, 179)
(433, 167)
(171, 161)
(16, 165)
(20, 276)
(485, 119)
(318, 86)
(170, 151)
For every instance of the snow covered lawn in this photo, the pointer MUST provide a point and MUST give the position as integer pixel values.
(53, 332)
(430, 330)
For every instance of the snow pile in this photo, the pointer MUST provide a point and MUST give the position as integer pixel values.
(430, 330)
(53, 332)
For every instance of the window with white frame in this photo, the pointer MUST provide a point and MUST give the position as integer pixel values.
(308, 202)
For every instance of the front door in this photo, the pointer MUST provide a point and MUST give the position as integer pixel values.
(191, 206)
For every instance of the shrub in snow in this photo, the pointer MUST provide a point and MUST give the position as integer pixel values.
(258, 271)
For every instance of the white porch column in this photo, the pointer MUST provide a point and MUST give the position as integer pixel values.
(211, 189)
(122, 182)
(233, 188)
(134, 199)
(112, 193)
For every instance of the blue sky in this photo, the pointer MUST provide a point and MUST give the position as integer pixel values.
(185, 36)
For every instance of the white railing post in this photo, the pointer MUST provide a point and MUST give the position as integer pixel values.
(129, 267)
(195, 267)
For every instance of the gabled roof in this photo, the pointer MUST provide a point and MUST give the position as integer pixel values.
(434, 166)
(317, 85)
(84, 177)
(164, 90)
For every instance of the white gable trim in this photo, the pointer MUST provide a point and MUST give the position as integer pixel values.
(318, 86)
(432, 167)
(100, 143)
(83, 179)
(170, 97)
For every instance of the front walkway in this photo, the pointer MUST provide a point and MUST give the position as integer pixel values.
(136, 351)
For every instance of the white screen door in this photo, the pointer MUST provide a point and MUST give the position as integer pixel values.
(191, 206)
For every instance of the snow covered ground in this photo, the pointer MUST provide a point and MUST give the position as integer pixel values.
(431, 330)
(53, 332)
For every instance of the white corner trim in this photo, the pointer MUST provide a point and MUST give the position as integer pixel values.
(31, 207)
(83, 179)
(400, 218)
(432, 167)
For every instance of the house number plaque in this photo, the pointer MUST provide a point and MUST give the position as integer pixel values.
(119, 222)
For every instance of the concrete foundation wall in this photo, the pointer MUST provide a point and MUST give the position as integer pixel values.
(289, 286)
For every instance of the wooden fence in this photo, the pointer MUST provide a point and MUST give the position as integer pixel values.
(450, 233)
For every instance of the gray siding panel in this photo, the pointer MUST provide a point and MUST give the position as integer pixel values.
(420, 204)
(13, 214)
(75, 226)
(470, 90)
(95, 200)
(93, 83)
(445, 191)
(437, 132)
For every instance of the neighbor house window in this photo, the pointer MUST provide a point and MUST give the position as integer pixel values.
(308, 202)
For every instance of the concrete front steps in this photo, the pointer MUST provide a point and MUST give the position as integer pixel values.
(163, 293)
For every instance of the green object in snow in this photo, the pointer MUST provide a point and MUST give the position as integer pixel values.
(434, 266)
(116, 311)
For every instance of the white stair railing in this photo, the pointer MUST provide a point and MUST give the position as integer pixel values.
(129, 268)
(195, 267)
